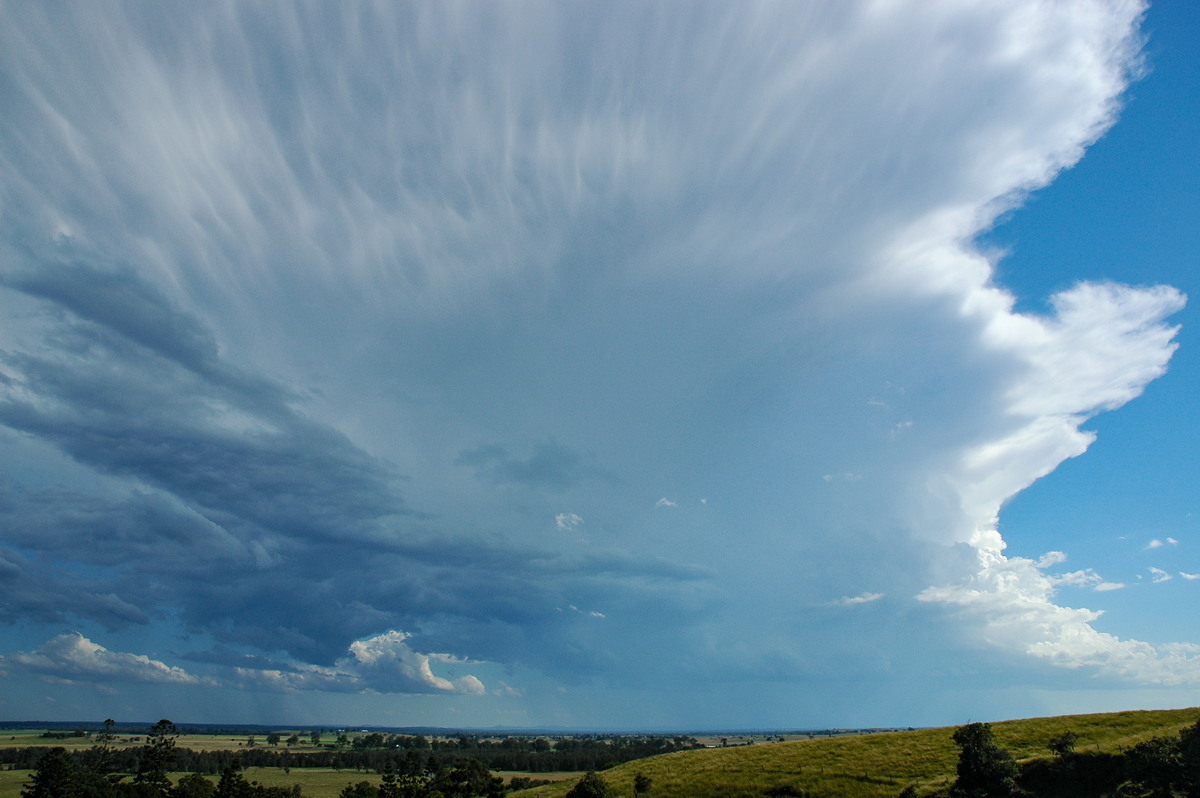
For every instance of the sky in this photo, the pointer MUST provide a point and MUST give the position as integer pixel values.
(601, 365)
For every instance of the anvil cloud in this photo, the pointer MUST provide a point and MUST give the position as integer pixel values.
(546, 363)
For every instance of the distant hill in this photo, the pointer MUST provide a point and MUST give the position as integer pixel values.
(872, 764)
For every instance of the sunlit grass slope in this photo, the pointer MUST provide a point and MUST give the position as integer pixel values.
(869, 765)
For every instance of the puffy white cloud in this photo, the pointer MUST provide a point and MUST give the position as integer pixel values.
(1158, 575)
(72, 656)
(384, 663)
(1014, 600)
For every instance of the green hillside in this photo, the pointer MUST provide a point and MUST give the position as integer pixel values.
(870, 765)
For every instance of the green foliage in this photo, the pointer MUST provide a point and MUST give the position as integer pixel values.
(985, 770)
(54, 778)
(1155, 766)
(591, 786)
(193, 785)
(158, 754)
(1063, 744)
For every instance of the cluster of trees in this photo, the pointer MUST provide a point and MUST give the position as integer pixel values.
(1162, 767)
(402, 753)
(98, 773)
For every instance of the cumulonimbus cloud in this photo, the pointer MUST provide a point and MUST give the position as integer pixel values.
(314, 301)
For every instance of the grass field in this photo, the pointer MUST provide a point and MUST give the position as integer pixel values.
(869, 765)
(864, 765)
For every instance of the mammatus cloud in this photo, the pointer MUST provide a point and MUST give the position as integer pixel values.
(74, 657)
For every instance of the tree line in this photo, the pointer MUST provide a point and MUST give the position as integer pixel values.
(401, 753)
(408, 766)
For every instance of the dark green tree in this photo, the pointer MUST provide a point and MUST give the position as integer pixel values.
(641, 784)
(1189, 758)
(273, 738)
(985, 770)
(1155, 766)
(1064, 744)
(591, 786)
(233, 784)
(53, 778)
(315, 737)
(468, 778)
(193, 785)
(157, 757)
(362, 789)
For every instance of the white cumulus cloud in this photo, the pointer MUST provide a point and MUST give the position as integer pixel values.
(72, 656)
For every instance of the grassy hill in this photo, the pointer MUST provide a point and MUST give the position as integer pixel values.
(873, 764)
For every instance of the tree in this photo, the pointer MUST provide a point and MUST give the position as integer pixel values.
(985, 770)
(158, 754)
(1064, 744)
(315, 737)
(1189, 754)
(1155, 765)
(233, 784)
(641, 784)
(363, 789)
(273, 738)
(193, 785)
(591, 786)
(101, 759)
(54, 777)
(468, 778)
(293, 740)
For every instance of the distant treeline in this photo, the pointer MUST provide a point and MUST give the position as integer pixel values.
(376, 752)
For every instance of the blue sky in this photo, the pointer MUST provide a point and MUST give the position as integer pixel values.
(676, 365)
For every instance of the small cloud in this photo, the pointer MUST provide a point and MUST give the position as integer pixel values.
(1077, 578)
(901, 428)
(665, 502)
(1104, 587)
(1158, 544)
(1051, 558)
(566, 522)
(1189, 577)
(854, 601)
(508, 691)
(845, 476)
(704, 501)
(1158, 575)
